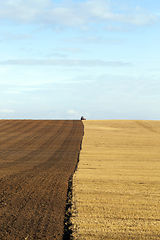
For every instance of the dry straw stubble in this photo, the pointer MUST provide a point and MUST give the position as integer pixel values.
(117, 185)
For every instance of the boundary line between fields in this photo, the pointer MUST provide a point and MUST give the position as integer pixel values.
(67, 233)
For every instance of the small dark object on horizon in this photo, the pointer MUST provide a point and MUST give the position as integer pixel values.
(82, 118)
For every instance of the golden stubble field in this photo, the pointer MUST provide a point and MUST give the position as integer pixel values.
(116, 188)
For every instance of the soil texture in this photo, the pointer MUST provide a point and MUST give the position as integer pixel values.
(37, 158)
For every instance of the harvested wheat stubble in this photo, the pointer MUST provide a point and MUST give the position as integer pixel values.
(116, 189)
(37, 158)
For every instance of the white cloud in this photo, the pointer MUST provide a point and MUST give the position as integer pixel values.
(69, 13)
(119, 28)
(139, 19)
(8, 36)
(74, 113)
(92, 39)
(66, 62)
(26, 11)
(6, 111)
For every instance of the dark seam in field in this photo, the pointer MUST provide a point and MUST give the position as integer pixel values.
(67, 233)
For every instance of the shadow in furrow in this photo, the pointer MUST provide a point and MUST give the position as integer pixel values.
(67, 220)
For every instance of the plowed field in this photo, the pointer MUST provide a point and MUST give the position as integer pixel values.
(37, 158)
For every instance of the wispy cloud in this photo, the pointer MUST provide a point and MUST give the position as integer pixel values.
(58, 55)
(92, 39)
(6, 111)
(119, 28)
(74, 113)
(71, 50)
(70, 13)
(6, 36)
(66, 62)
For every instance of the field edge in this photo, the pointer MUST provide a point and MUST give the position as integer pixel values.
(68, 225)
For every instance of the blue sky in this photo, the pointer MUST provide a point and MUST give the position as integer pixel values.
(64, 59)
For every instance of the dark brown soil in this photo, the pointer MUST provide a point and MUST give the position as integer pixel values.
(37, 158)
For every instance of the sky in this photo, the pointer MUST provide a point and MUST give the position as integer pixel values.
(94, 58)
